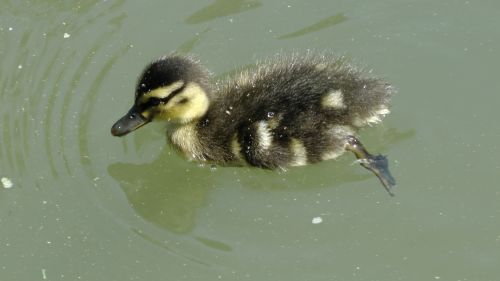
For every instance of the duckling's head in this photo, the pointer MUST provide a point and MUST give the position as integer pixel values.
(172, 88)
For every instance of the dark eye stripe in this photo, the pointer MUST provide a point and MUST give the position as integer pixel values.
(154, 101)
(175, 92)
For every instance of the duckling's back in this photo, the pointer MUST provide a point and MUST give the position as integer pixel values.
(291, 111)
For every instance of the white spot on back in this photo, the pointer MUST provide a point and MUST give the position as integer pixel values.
(264, 135)
(383, 111)
(321, 66)
(236, 147)
(333, 99)
(332, 154)
(339, 134)
(299, 153)
(374, 118)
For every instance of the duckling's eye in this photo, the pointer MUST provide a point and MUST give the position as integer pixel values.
(183, 100)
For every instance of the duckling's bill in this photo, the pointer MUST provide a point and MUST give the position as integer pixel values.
(131, 121)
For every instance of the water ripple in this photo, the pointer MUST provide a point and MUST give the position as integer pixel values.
(46, 72)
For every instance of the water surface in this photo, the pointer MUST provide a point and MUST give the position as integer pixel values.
(87, 206)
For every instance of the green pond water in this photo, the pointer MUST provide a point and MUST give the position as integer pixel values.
(79, 204)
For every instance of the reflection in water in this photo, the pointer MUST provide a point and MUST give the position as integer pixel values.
(161, 195)
(164, 244)
(222, 8)
(321, 24)
(217, 245)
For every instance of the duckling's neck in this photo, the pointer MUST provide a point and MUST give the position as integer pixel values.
(184, 138)
(183, 120)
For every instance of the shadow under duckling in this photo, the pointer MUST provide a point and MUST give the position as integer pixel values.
(288, 111)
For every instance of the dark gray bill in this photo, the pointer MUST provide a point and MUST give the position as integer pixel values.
(128, 123)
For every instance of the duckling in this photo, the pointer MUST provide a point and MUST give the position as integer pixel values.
(288, 111)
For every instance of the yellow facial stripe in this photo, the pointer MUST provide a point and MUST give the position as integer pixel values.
(162, 92)
(146, 114)
(195, 105)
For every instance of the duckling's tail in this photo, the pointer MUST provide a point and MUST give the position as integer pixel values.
(368, 101)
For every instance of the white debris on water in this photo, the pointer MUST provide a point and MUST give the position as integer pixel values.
(6, 182)
(317, 220)
(66, 35)
(44, 274)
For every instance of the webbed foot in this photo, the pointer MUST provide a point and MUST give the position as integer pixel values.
(378, 164)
